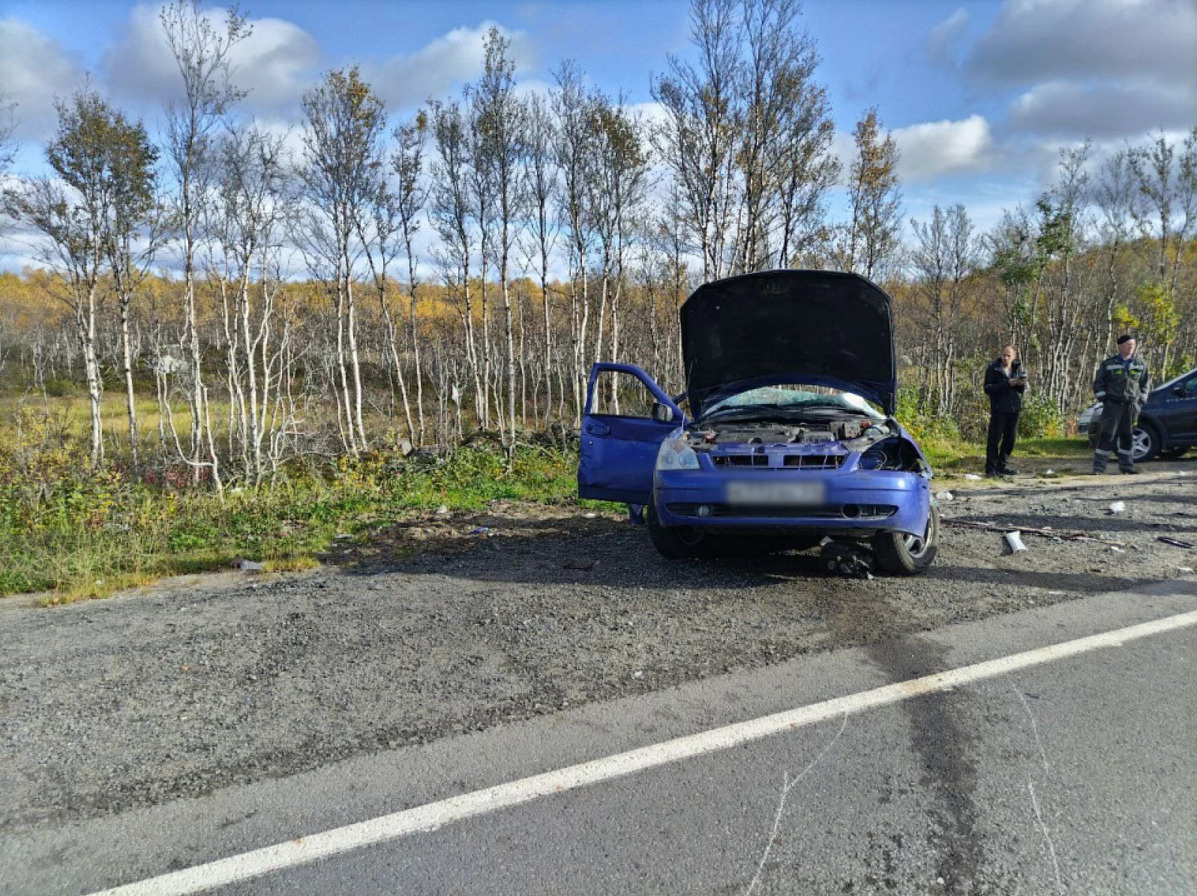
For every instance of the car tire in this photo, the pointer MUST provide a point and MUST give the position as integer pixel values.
(905, 555)
(672, 542)
(1145, 443)
(1174, 453)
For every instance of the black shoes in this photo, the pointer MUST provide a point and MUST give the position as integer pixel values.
(1129, 471)
(1007, 471)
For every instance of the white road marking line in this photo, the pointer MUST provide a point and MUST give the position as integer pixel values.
(304, 850)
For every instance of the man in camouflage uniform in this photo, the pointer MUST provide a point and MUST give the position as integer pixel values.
(1121, 385)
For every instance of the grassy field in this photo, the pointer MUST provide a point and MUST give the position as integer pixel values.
(74, 534)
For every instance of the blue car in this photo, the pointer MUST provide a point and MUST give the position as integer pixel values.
(789, 438)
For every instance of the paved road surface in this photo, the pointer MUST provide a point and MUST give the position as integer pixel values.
(1072, 775)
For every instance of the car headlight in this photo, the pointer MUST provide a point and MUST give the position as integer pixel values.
(675, 454)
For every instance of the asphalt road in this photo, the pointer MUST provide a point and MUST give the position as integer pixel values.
(1068, 775)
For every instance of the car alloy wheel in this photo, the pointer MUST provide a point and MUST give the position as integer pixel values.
(1145, 444)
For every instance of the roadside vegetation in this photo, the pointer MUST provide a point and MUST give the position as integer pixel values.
(69, 531)
(79, 532)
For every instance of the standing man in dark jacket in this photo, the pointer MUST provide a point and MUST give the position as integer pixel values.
(1005, 382)
(1121, 385)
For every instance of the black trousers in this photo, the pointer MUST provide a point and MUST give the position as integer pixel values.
(1003, 426)
(1117, 420)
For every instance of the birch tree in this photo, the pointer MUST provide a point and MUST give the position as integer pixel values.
(871, 239)
(541, 187)
(202, 52)
(134, 232)
(499, 118)
(411, 193)
(698, 141)
(344, 122)
(452, 214)
(256, 201)
(944, 256)
(71, 214)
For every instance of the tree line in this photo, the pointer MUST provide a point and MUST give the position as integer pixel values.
(415, 279)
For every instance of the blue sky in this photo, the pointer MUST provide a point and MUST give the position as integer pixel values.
(981, 95)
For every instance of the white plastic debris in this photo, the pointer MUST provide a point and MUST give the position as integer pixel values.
(442, 510)
(1184, 569)
(1049, 472)
(1055, 592)
(971, 476)
(1014, 542)
(1117, 507)
(945, 496)
(1116, 550)
(251, 566)
(590, 516)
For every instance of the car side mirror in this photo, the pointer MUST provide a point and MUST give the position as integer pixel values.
(662, 413)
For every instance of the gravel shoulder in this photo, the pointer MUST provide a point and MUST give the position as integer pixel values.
(458, 623)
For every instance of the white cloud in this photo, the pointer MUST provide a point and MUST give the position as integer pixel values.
(274, 63)
(1102, 109)
(936, 148)
(1033, 40)
(944, 39)
(1093, 67)
(34, 70)
(435, 71)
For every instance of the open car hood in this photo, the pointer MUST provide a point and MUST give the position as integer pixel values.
(813, 327)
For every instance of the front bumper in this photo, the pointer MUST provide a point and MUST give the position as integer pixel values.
(859, 500)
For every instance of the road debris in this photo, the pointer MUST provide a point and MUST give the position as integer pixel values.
(1014, 542)
(1117, 507)
(1043, 531)
(1175, 542)
(852, 561)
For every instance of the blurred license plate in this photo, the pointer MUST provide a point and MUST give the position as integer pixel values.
(775, 493)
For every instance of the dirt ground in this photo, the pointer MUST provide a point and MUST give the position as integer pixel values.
(454, 623)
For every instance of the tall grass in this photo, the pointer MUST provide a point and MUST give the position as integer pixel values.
(77, 533)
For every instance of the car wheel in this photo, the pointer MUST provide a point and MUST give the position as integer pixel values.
(672, 542)
(1145, 443)
(907, 555)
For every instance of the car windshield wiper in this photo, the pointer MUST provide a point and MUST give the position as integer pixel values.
(787, 412)
(741, 411)
(838, 409)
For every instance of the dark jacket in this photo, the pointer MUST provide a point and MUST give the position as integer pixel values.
(1121, 381)
(1003, 398)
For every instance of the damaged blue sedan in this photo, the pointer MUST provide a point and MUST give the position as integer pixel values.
(790, 438)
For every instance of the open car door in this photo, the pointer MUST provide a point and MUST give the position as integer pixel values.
(627, 417)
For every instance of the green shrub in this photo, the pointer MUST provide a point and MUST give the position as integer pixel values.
(59, 388)
(1040, 418)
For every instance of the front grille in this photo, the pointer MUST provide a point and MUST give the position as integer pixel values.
(789, 461)
(741, 460)
(815, 461)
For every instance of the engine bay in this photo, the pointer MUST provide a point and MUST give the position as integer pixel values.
(771, 433)
(809, 444)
